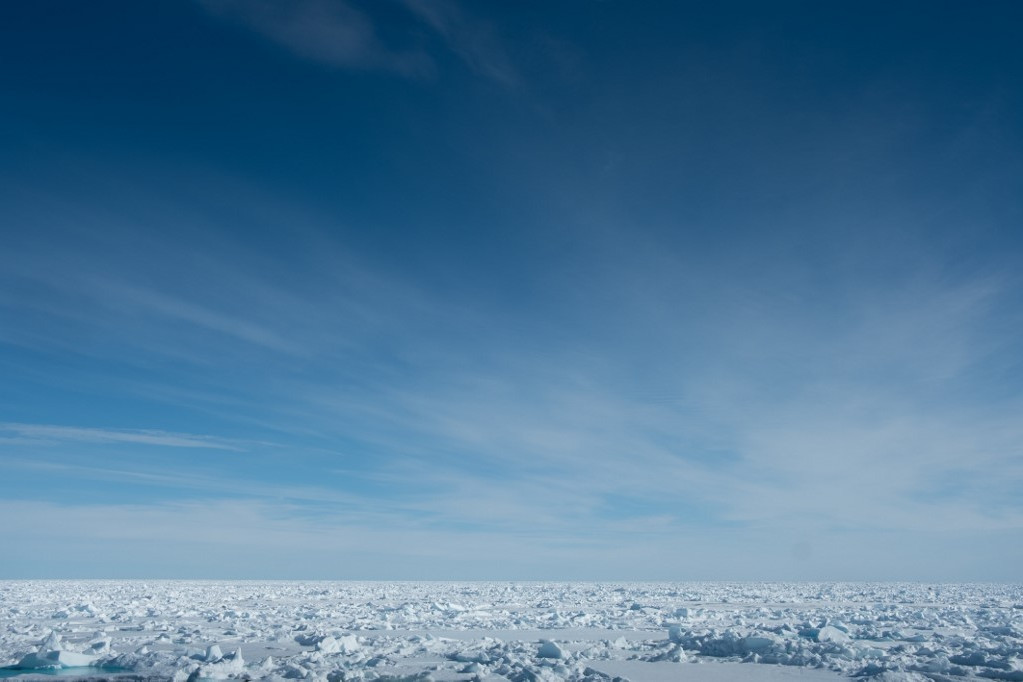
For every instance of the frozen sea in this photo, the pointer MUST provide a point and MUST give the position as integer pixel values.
(597, 632)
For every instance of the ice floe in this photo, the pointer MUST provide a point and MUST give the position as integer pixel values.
(582, 632)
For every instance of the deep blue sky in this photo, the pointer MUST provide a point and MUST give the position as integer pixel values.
(556, 290)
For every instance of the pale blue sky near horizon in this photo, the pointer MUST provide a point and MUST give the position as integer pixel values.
(422, 289)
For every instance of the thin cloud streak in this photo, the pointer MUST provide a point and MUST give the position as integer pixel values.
(50, 433)
(474, 42)
(335, 33)
(332, 32)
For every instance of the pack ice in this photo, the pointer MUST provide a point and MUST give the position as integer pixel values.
(189, 631)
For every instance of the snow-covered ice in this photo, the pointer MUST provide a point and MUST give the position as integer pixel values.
(188, 631)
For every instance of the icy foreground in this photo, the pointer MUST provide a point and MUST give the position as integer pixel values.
(515, 631)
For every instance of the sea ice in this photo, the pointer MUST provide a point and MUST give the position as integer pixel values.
(578, 632)
(549, 649)
(829, 633)
(55, 659)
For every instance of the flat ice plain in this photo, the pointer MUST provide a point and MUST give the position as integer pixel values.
(767, 632)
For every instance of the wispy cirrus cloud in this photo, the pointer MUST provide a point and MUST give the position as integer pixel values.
(246, 538)
(446, 427)
(474, 42)
(51, 433)
(332, 32)
(339, 34)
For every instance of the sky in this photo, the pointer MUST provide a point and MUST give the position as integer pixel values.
(576, 290)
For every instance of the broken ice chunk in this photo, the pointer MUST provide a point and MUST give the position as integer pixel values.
(55, 659)
(549, 649)
(830, 633)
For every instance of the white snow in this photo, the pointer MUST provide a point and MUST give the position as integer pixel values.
(513, 631)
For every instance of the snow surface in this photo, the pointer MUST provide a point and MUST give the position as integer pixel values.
(187, 631)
